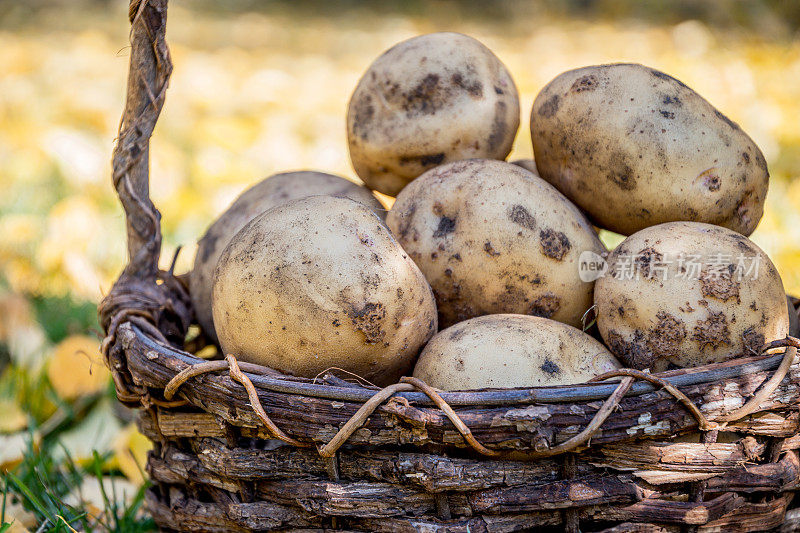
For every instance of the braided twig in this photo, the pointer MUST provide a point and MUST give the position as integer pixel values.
(154, 300)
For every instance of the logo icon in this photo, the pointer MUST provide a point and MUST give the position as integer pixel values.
(591, 266)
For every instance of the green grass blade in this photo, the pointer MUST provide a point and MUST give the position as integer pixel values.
(32, 498)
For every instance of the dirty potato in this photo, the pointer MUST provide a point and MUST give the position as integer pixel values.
(688, 294)
(635, 147)
(499, 351)
(268, 193)
(491, 238)
(527, 164)
(426, 101)
(317, 283)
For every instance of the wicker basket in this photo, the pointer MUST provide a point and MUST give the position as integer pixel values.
(240, 447)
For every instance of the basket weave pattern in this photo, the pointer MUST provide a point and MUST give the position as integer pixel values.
(240, 447)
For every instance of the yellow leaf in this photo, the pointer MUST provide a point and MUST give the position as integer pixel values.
(21, 519)
(77, 368)
(13, 417)
(13, 448)
(96, 432)
(130, 452)
(89, 495)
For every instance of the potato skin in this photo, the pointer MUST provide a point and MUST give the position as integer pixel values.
(317, 283)
(794, 320)
(635, 147)
(270, 192)
(527, 164)
(426, 101)
(500, 351)
(693, 311)
(492, 238)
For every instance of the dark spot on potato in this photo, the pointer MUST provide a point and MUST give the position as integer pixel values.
(620, 172)
(448, 272)
(744, 206)
(498, 133)
(368, 320)
(712, 181)
(457, 333)
(399, 292)
(726, 120)
(743, 243)
(426, 98)
(487, 247)
(719, 283)
(475, 88)
(671, 100)
(621, 311)
(666, 77)
(363, 113)
(584, 83)
(406, 221)
(712, 332)
(555, 244)
(667, 114)
(446, 226)
(498, 90)
(753, 341)
(550, 107)
(545, 305)
(761, 162)
(549, 367)
(647, 260)
(336, 322)
(746, 158)
(456, 257)
(426, 160)
(634, 353)
(521, 216)
(665, 337)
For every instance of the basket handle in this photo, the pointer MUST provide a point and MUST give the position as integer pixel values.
(154, 300)
(148, 77)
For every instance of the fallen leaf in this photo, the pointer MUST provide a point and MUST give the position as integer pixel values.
(13, 417)
(26, 341)
(90, 497)
(13, 448)
(130, 453)
(20, 518)
(96, 432)
(76, 367)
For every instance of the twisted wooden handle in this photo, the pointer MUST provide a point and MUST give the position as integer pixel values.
(148, 77)
(155, 300)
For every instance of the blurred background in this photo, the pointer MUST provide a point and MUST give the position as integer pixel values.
(262, 87)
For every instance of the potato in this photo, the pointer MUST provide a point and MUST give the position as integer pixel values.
(511, 351)
(318, 283)
(426, 101)
(268, 193)
(688, 294)
(491, 238)
(635, 147)
(527, 164)
(794, 320)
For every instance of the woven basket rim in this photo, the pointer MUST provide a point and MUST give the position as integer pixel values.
(489, 397)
